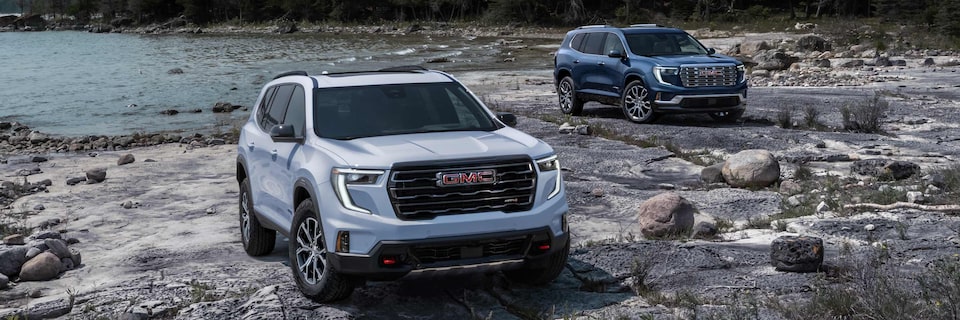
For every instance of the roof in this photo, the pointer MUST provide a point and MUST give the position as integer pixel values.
(388, 76)
(632, 29)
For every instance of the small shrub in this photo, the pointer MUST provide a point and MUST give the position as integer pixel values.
(811, 117)
(724, 225)
(885, 196)
(865, 116)
(803, 173)
(785, 118)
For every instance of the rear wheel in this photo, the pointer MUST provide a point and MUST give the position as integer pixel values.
(726, 116)
(637, 103)
(315, 277)
(569, 103)
(257, 240)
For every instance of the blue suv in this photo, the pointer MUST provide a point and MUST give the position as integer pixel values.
(647, 70)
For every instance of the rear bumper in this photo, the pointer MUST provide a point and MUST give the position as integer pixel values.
(492, 251)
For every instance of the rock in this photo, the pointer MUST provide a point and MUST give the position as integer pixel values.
(774, 60)
(216, 142)
(666, 214)
(66, 264)
(882, 61)
(287, 27)
(796, 254)
(127, 204)
(822, 207)
(175, 71)
(752, 47)
(898, 63)
(37, 137)
(855, 63)
(71, 241)
(125, 159)
(13, 239)
(885, 168)
(223, 107)
(705, 230)
(567, 128)
(32, 252)
(4, 281)
(712, 173)
(821, 63)
(169, 112)
(38, 159)
(915, 197)
(11, 259)
(47, 235)
(75, 180)
(76, 257)
(754, 168)
(58, 247)
(666, 186)
(49, 309)
(928, 62)
(35, 293)
(134, 316)
(97, 175)
(44, 266)
(45, 182)
(597, 192)
(583, 130)
(869, 227)
(49, 223)
(796, 200)
(211, 211)
(813, 43)
(790, 187)
(39, 207)
(438, 60)
(414, 28)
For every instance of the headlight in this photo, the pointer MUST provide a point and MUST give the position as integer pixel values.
(661, 72)
(742, 71)
(547, 164)
(343, 177)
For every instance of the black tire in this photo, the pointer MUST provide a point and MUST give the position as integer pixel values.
(637, 104)
(726, 116)
(545, 272)
(256, 239)
(309, 250)
(569, 102)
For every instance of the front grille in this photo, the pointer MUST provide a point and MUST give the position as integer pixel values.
(416, 194)
(486, 249)
(708, 76)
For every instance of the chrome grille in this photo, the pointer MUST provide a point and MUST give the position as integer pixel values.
(708, 76)
(416, 194)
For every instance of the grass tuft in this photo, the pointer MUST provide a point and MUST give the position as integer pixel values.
(865, 116)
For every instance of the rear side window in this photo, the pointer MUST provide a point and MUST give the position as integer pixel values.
(265, 104)
(594, 43)
(577, 41)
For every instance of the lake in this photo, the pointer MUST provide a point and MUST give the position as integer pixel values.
(78, 83)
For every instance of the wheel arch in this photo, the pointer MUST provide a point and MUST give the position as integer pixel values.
(241, 168)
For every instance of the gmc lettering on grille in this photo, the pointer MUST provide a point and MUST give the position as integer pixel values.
(445, 179)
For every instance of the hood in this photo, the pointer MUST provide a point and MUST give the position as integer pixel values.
(673, 61)
(383, 151)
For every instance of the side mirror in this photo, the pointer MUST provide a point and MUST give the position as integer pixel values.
(711, 51)
(615, 54)
(507, 118)
(284, 133)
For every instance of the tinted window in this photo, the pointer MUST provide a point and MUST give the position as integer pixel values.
(278, 107)
(264, 104)
(577, 41)
(612, 43)
(356, 112)
(659, 44)
(594, 43)
(296, 112)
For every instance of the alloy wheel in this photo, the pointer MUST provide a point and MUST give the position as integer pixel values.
(311, 253)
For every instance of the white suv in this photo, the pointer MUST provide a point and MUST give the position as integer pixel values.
(374, 175)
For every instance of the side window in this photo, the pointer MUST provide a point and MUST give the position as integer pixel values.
(612, 43)
(577, 41)
(265, 104)
(278, 107)
(296, 114)
(594, 43)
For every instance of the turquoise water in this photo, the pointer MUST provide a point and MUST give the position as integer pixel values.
(78, 83)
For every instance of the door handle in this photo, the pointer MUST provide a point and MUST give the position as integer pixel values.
(273, 152)
(576, 61)
(250, 145)
(600, 63)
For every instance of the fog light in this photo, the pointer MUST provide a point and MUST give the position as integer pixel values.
(343, 241)
(388, 261)
(544, 247)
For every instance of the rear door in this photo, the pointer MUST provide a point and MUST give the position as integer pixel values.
(267, 189)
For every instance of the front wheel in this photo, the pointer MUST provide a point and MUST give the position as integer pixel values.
(637, 103)
(315, 277)
(726, 116)
(569, 103)
(545, 273)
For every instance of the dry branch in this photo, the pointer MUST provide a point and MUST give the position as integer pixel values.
(948, 208)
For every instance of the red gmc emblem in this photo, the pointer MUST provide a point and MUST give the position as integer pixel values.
(466, 177)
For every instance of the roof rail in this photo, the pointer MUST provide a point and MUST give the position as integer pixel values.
(291, 73)
(646, 25)
(403, 69)
(595, 26)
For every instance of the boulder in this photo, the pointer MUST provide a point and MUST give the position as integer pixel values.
(751, 169)
(287, 27)
(929, 62)
(38, 159)
(38, 137)
(125, 159)
(774, 60)
(11, 259)
(13, 239)
(58, 247)
(221, 107)
(76, 257)
(705, 230)
(813, 43)
(46, 235)
(885, 168)
(4, 281)
(821, 63)
(752, 47)
(96, 175)
(790, 187)
(855, 63)
(666, 214)
(169, 112)
(44, 266)
(712, 173)
(75, 180)
(882, 61)
(796, 254)
(175, 71)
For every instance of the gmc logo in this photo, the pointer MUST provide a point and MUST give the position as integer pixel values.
(710, 73)
(466, 178)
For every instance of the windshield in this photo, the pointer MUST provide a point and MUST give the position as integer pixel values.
(662, 44)
(367, 111)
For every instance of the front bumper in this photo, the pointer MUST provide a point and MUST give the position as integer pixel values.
(673, 99)
(492, 251)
